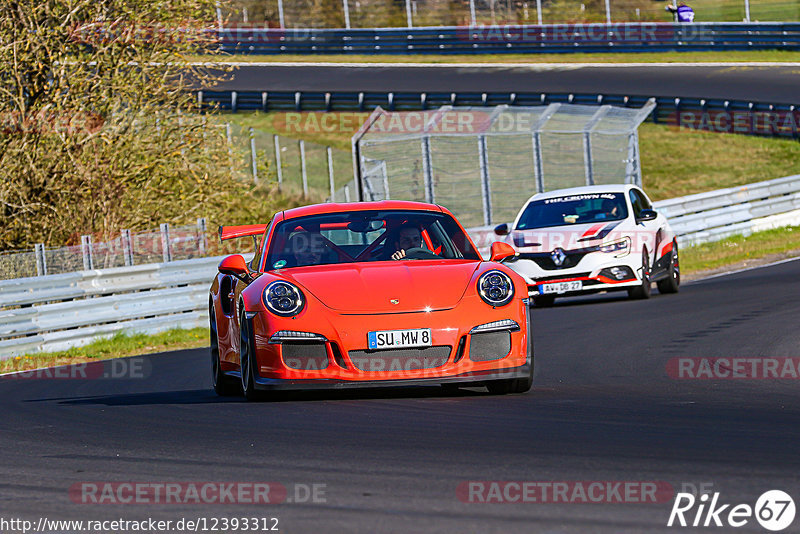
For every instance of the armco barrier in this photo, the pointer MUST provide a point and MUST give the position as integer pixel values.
(59, 311)
(551, 38)
(56, 312)
(716, 115)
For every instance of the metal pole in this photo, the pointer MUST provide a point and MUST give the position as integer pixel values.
(347, 193)
(608, 11)
(229, 137)
(486, 191)
(473, 21)
(427, 171)
(127, 248)
(253, 156)
(537, 162)
(747, 10)
(202, 242)
(303, 167)
(588, 164)
(675, 11)
(539, 11)
(280, 14)
(41, 260)
(166, 253)
(408, 14)
(278, 159)
(330, 173)
(86, 251)
(219, 17)
(346, 14)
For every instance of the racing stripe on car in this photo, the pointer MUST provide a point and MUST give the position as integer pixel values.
(598, 231)
(592, 231)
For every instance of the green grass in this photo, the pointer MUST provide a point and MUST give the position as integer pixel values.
(644, 57)
(118, 346)
(738, 249)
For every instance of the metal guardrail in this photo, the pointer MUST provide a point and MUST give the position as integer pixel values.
(717, 115)
(548, 38)
(715, 215)
(56, 312)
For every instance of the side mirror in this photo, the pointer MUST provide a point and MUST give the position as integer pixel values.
(502, 229)
(646, 215)
(235, 266)
(501, 251)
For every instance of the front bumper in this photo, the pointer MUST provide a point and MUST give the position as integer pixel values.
(594, 275)
(476, 378)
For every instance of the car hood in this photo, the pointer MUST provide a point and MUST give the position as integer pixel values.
(416, 285)
(568, 237)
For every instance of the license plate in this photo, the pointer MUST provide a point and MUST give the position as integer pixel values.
(561, 287)
(390, 339)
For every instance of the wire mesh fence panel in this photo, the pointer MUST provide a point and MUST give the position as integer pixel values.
(404, 167)
(562, 160)
(342, 171)
(107, 254)
(457, 177)
(64, 259)
(511, 173)
(610, 158)
(19, 264)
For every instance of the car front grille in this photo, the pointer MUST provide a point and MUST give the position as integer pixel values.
(489, 346)
(411, 359)
(305, 356)
(544, 261)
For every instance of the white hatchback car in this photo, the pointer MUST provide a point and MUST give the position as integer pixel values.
(590, 239)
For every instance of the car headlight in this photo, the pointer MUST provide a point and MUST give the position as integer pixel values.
(283, 298)
(617, 246)
(495, 288)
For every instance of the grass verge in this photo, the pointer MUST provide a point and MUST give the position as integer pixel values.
(118, 346)
(738, 250)
(759, 56)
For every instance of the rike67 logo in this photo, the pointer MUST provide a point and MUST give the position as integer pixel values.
(774, 510)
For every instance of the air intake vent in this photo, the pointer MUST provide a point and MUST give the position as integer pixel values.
(489, 346)
(413, 359)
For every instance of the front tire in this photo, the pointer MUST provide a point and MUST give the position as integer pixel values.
(224, 386)
(673, 281)
(642, 291)
(246, 358)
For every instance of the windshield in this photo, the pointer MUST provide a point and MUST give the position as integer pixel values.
(574, 209)
(367, 236)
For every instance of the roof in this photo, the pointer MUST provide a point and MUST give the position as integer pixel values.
(583, 190)
(331, 207)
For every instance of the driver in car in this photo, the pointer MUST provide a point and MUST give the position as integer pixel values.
(408, 236)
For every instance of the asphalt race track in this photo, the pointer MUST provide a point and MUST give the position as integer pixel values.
(603, 409)
(770, 84)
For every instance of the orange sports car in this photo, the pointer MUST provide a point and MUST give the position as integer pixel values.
(367, 294)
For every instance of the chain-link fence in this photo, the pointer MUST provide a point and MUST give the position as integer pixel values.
(418, 13)
(483, 163)
(300, 167)
(168, 243)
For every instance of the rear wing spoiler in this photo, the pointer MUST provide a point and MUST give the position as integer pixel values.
(233, 232)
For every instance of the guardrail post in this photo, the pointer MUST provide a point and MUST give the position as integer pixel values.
(408, 14)
(330, 173)
(278, 166)
(747, 10)
(127, 247)
(486, 191)
(280, 14)
(253, 155)
(41, 260)
(537, 162)
(202, 242)
(303, 167)
(166, 250)
(346, 14)
(427, 170)
(347, 193)
(234, 101)
(86, 251)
